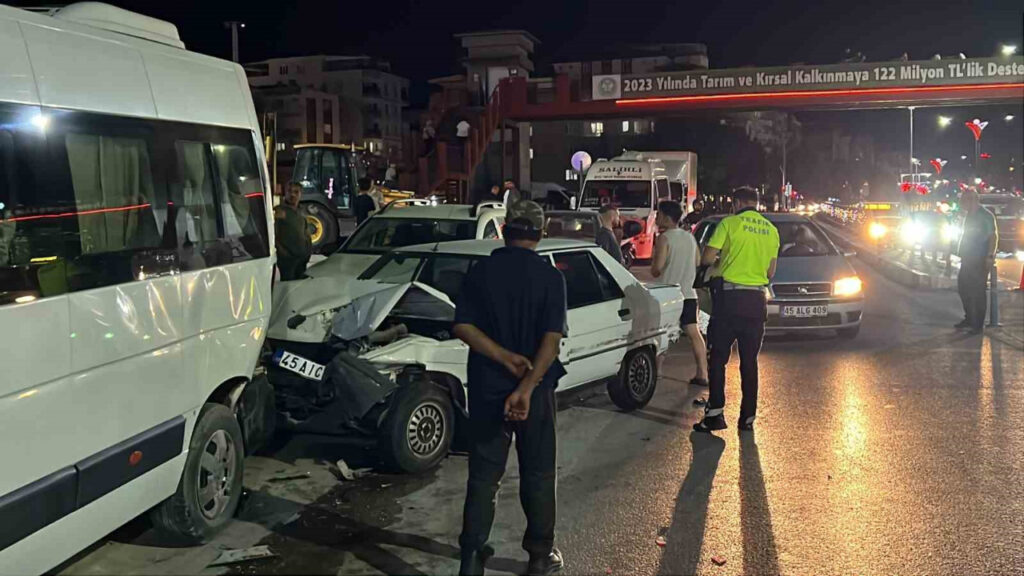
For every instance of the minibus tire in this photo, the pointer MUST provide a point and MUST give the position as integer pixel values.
(182, 517)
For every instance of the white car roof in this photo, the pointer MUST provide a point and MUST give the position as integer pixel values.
(441, 212)
(485, 247)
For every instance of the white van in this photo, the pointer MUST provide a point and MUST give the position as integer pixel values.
(135, 270)
(634, 186)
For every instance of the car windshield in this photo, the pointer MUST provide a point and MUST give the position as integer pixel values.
(577, 226)
(802, 239)
(378, 235)
(394, 268)
(621, 193)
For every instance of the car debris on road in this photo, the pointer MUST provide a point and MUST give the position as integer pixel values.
(242, 555)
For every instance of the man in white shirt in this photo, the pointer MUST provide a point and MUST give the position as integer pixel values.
(675, 261)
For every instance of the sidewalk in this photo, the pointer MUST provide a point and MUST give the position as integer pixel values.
(911, 270)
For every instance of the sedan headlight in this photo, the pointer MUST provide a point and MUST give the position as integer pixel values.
(848, 286)
(951, 232)
(913, 232)
(877, 230)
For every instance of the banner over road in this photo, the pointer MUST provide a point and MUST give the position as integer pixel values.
(852, 76)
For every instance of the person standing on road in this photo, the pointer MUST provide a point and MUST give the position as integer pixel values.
(391, 176)
(294, 246)
(749, 247)
(977, 253)
(609, 218)
(675, 260)
(695, 216)
(364, 204)
(511, 312)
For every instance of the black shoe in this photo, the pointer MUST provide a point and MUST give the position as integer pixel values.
(698, 382)
(710, 424)
(544, 565)
(745, 424)
(962, 324)
(474, 561)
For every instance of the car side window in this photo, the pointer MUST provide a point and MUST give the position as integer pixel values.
(661, 185)
(610, 289)
(446, 273)
(704, 233)
(583, 285)
(490, 230)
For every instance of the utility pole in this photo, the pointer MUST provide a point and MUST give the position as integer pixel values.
(234, 25)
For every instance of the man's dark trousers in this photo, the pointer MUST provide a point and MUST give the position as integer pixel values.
(971, 285)
(535, 446)
(737, 316)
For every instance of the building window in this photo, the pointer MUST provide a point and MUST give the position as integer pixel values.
(328, 121)
(625, 126)
(596, 128)
(571, 175)
(531, 153)
(282, 70)
(652, 126)
(606, 67)
(627, 66)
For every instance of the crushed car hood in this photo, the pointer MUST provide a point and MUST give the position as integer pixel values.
(331, 284)
(365, 313)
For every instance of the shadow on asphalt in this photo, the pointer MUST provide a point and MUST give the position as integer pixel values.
(760, 554)
(690, 516)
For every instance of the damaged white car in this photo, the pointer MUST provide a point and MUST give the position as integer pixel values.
(391, 367)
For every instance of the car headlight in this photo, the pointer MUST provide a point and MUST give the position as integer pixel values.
(951, 232)
(877, 230)
(848, 286)
(913, 232)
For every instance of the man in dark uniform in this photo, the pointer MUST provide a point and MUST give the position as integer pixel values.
(977, 253)
(749, 246)
(691, 219)
(293, 243)
(512, 314)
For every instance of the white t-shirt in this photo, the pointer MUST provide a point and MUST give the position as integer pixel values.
(681, 263)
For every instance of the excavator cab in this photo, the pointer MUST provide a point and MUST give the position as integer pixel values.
(329, 176)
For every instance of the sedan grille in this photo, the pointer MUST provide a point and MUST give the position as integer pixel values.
(802, 290)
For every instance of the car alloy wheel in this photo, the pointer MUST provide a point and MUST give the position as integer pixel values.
(215, 479)
(639, 375)
(426, 430)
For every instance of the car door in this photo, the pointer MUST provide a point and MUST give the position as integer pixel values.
(598, 321)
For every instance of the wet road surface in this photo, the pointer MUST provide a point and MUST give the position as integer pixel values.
(898, 452)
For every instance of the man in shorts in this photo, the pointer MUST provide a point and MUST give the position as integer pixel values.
(675, 260)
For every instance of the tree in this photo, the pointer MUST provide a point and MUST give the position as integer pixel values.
(776, 133)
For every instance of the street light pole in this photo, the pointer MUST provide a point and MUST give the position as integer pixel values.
(234, 25)
(913, 168)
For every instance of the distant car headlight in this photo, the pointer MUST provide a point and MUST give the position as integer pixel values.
(951, 232)
(848, 286)
(877, 230)
(913, 232)
(1020, 255)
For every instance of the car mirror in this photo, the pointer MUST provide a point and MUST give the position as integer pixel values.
(631, 228)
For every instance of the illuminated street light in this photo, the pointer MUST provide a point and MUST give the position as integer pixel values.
(1008, 117)
(1009, 49)
(945, 121)
(963, 156)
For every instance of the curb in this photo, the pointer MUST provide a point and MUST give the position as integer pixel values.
(894, 271)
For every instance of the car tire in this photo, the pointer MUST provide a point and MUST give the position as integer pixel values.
(215, 458)
(634, 386)
(849, 333)
(417, 433)
(324, 233)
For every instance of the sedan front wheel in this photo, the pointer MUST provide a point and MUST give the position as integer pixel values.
(634, 386)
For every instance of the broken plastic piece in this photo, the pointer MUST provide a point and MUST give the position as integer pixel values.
(660, 541)
(346, 472)
(718, 560)
(242, 555)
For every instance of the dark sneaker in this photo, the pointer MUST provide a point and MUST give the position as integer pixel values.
(544, 565)
(710, 424)
(962, 324)
(745, 424)
(698, 382)
(474, 561)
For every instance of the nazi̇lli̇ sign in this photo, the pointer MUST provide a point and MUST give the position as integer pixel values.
(863, 75)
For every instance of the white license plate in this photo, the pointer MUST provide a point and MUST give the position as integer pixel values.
(804, 311)
(299, 365)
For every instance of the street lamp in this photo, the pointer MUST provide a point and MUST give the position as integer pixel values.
(1008, 117)
(1009, 49)
(945, 121)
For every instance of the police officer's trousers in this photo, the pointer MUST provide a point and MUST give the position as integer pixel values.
(737, 316)
(490, 439)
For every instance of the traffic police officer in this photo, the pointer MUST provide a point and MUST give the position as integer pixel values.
(294, 245)
(748, 245)
(511, 311)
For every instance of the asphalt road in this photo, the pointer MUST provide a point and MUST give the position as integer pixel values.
(900, 452)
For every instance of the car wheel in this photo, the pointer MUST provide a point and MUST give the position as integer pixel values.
(849, 333)
(634, 387)
(323, 227)
(417, 433)
(211, 483)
